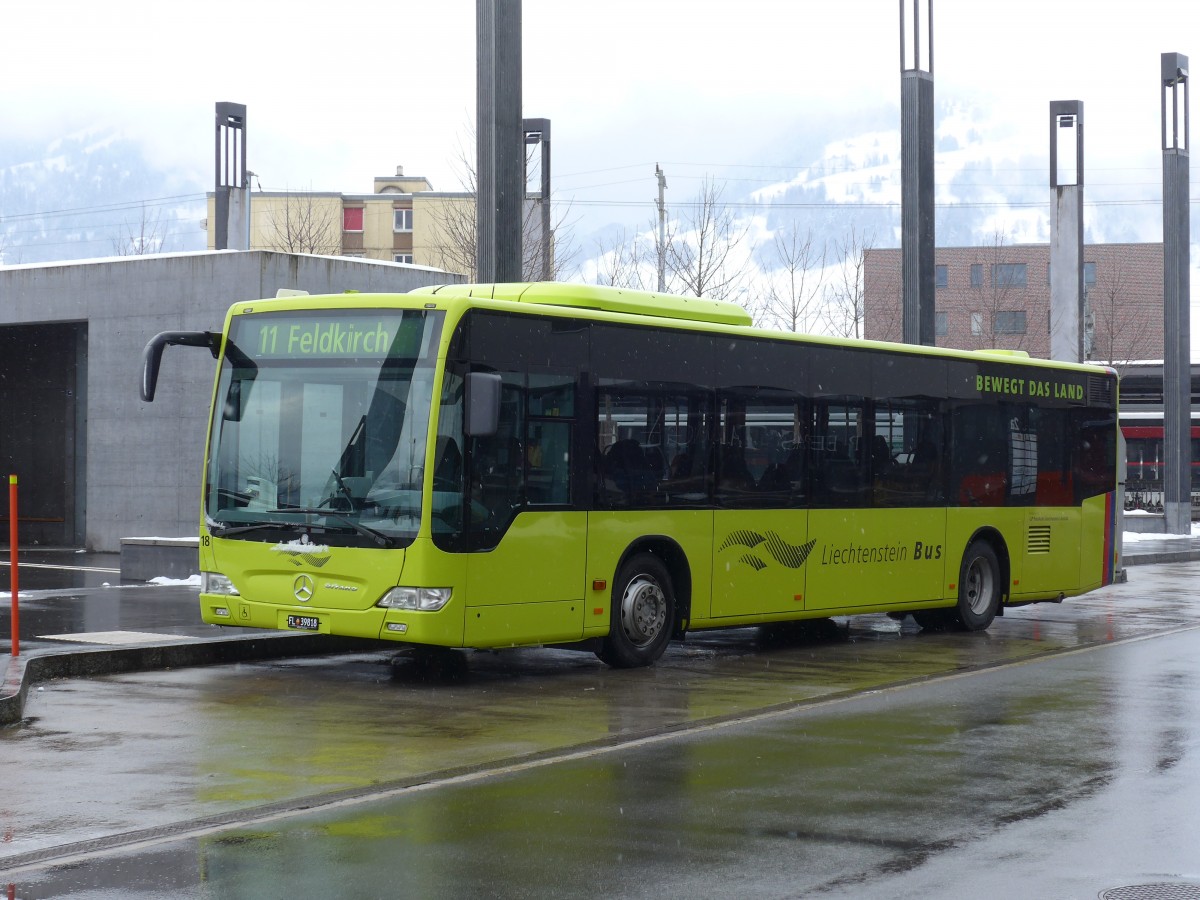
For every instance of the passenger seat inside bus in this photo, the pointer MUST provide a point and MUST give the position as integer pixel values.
(628, 471)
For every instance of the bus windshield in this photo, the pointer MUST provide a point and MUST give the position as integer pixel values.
(321, 423)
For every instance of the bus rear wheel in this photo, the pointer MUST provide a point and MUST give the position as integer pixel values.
(979, 589)
(643, 614)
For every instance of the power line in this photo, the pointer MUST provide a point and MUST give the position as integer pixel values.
(104, 208)
(1030, 204)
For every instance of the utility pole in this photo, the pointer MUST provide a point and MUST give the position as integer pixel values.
(662, 229)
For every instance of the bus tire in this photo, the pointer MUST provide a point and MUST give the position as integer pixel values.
(979, 588)
(643, 614)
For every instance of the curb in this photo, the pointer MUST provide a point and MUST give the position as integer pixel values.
(1164, 556)
(25, 671)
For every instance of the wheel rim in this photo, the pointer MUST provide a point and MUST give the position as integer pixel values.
(979, 585)
(643, 610)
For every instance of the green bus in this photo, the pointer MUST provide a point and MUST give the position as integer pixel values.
(488, 466)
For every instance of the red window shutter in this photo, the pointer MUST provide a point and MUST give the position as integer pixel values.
(352, 218)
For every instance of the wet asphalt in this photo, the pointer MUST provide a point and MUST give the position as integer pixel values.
(1056, 755)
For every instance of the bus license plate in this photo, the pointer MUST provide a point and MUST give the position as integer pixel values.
(306, 623)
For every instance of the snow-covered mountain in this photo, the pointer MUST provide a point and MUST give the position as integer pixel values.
(93, 194)
(98, 193)
(989, 181)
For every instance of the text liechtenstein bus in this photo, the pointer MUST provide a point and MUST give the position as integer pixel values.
(487, 466)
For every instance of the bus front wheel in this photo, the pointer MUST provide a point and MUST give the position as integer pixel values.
(643, 614)
(979, 588)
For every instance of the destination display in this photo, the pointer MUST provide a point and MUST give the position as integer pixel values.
(342, 337)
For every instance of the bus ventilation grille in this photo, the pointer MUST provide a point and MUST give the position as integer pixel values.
(1099, 391)
(1039, 539)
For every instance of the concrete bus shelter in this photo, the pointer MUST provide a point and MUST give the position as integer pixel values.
(94, 463)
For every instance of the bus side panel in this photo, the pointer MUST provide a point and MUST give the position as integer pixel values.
(1051, 549)
(610, 534)
(759, 561)
(536, 571)
(1096, 542)
(881, 556)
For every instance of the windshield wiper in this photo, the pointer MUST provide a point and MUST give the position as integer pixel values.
(227, 530)
(383, 540)
(342, 488)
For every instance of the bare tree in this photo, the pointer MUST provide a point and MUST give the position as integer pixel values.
(845, 298)
(995, 303)
(457, 249)
(302, 224)
(793, 291)
(142, 237)
(627, 261)
(703, 253)
(1121, 331)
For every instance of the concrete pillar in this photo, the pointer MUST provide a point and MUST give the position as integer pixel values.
(1177, 388)
(1066, 231)
(537, 131)
(232, 191)
(500, 160)
(916, 172)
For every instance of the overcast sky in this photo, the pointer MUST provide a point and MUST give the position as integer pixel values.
(340, 93)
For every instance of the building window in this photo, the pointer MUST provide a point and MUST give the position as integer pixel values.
(941, 324)
(355, 254)
(1011, 322)
(352, 218)
(1008, 275)
(976, 323)
(402, 220)
(940, 278)
(402, 258)
(977, 275)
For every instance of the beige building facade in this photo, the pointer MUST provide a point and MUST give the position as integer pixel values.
(403, 221)
(999, 297)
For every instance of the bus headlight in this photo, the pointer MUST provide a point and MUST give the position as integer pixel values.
(216, 583)
(426, 599)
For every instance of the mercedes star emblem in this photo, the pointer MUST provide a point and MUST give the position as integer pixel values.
(303, 588)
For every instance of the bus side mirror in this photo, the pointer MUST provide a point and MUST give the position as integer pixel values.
(152, 355)
(483, 404)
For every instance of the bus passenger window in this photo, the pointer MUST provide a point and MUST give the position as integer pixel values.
(629, 479)
(839, 468)
(547, 454)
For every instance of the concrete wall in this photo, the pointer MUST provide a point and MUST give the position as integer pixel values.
(143, 460)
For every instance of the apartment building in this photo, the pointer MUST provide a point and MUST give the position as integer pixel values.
(403, 220)
(998, 296)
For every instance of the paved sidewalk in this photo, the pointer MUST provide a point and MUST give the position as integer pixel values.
(78, 620)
